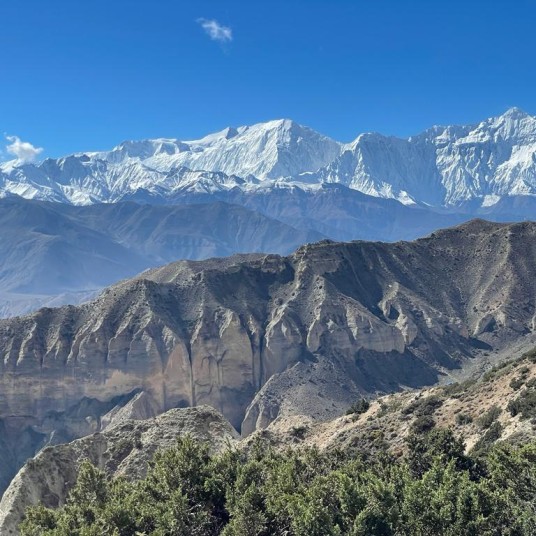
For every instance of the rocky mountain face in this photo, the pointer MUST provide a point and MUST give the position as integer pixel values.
(445, 166)
(261, 336)
(494, 403)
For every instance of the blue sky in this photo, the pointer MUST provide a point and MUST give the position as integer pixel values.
(80, 75)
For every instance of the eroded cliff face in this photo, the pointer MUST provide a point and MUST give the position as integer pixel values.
(257, 335)
(127, 444)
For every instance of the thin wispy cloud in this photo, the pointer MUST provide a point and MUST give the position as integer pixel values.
(23, 151)
(216, 31)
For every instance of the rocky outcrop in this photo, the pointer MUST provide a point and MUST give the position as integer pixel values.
(124, 449)
(257, 336)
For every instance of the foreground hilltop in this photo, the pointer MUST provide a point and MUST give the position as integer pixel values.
(124, 450)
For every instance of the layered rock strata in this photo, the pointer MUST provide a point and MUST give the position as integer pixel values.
(257, 336)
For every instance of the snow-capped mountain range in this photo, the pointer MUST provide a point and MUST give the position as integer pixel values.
(162, 167)
(268, 187)
(445, 167)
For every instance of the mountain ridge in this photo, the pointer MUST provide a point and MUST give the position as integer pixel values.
(53, 252)
(326, 299)
(266, 337)
(444, 166)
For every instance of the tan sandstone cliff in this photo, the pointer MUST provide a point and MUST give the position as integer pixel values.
(257, 336)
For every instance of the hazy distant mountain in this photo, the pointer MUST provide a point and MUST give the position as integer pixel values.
(334, 210)
(442, 167)
(54, 253)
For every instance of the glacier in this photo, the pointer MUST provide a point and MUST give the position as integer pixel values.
(445, 166)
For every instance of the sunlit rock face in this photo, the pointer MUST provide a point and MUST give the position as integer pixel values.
(260, 336)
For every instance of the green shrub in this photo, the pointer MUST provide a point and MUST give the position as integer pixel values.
(524, 404)
(384, 409)
(422, 424)
(423, 406)
(463, 419)
(434, 444)
(435, 490)
(530, 355)
(516, 383)
(524, 371)
(531, 384)
(389, 406)
(489, 417)
(298, 431)
(358, 407)
(493, 433)
(498, 370)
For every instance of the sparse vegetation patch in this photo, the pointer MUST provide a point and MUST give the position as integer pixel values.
(358, 407)
(435, 490)
(525, 404)
(463, 418)
(424, 406)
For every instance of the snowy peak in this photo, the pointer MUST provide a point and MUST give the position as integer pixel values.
(225, 134)
(266, 150)
(514, 125)
(444, 166)
(515, 113)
